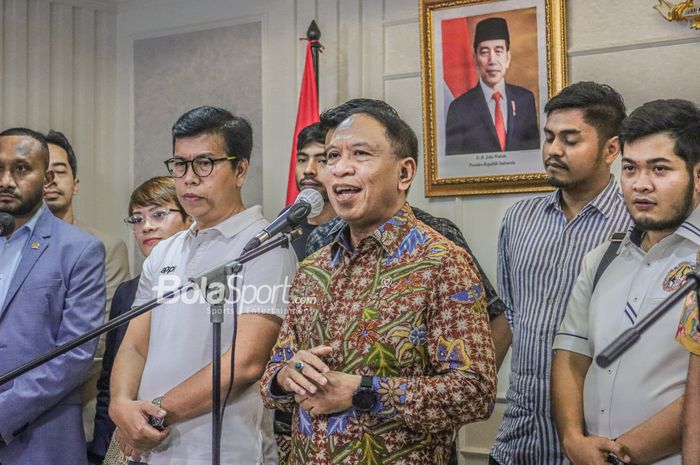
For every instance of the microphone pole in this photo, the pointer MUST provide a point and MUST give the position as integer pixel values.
(625, 340)
(134, 312)
(219, 275)
(209, 276)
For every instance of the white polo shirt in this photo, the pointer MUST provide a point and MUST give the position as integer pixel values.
(652, 373)
(181, 336)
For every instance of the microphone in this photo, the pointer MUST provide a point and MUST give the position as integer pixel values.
(309, 203)
(7, 223)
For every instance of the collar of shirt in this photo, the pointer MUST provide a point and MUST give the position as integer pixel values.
(604, 202)
(231, 225)
(488, 91)
(389, 235)
(27, 228)
(689, 229)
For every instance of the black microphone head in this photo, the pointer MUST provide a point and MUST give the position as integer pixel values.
(298, 211)
(7, 224)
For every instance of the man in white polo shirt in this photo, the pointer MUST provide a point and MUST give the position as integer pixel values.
(163, 366)
(633, 408)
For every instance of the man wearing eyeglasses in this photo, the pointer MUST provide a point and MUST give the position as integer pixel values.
(162, 369)
(59, 196)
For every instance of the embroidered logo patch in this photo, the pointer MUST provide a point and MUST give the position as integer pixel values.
(676, 277)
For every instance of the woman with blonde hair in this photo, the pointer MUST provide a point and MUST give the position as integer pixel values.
(155, 214)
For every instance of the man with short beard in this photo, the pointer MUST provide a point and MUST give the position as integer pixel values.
(59, 198)
(540, 247)
(310, 168)
(633, 408)
(52, 289)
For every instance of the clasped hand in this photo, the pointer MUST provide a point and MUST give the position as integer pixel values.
(317, 389)
(135, 435)
(593, 450)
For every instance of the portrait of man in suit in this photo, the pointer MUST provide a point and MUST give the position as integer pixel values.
(492, 116)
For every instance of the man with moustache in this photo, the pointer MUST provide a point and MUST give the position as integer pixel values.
(493, 116)
(325, 233)
(311, 161)
(540, 248)
(59, 198)
(633, 408)
(386, 350)
(51, 291)
(163, 368)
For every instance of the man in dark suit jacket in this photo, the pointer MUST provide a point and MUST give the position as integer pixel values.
(483, 119)
(52, 289)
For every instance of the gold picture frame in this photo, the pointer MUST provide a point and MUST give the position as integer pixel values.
(459, 157)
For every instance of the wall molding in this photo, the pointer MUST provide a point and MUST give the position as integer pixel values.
(632, 47)
(203, 26)
(101, 5)
(397, 76)
(401, 22)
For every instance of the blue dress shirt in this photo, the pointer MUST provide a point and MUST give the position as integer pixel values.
(11, 252)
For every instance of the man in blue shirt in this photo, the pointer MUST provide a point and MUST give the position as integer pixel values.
(541, 245)
(52, 289)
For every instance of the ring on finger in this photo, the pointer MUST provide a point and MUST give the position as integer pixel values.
(299, 365)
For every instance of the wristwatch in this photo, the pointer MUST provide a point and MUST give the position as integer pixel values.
(157, 423)
(364, 398)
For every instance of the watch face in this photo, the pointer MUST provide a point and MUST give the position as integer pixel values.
(364, 400)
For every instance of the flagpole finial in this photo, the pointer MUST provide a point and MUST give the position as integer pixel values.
(313, 32)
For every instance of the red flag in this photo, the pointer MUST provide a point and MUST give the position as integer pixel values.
(458, 63)
(307, 114)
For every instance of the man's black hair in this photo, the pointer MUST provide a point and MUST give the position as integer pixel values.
(59, 139)
(26, 132)
(602, 106)
(311, 134)
(236, 132)
(680, 119)
(402, 138)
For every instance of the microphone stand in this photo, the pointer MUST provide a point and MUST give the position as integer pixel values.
(623, 342)
(217, 274)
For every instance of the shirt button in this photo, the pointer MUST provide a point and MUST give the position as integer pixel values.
(635, 299)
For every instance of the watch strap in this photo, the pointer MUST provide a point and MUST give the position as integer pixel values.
(157, 423)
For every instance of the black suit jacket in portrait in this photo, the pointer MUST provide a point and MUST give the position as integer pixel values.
(470, 128)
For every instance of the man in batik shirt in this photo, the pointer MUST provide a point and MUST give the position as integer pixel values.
(385, 351)
(689, 335)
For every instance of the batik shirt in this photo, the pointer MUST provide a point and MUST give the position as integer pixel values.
(326, 232)
(406, 307)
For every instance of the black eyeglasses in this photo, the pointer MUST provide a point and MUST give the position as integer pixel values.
(202, 166)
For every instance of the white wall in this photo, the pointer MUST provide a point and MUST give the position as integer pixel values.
(57, 72)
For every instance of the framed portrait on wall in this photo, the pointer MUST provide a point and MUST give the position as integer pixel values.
(488, 69)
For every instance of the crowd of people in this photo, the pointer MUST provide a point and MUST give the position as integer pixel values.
(388, 336)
